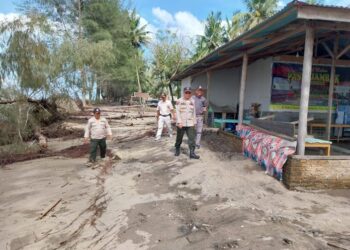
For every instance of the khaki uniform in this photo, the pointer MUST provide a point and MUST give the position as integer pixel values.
(185, 115)
(97, 131)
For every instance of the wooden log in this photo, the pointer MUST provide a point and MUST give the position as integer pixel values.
(50, 209)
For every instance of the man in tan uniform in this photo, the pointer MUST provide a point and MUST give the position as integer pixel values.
(164, 110)
(186, 121)
(97, 130)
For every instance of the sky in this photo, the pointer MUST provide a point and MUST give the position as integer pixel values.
(186, 17)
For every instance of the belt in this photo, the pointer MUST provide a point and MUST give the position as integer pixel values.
(165, 115)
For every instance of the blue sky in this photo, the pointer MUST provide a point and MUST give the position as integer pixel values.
(185, 17)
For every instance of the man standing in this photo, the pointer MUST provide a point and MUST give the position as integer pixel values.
(164, 109)
(201, 105)
(97, 130)
(186, 120)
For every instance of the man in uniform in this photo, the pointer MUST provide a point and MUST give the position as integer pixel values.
(201, 105)
(164, 109)
(186, 120)
(97, 130)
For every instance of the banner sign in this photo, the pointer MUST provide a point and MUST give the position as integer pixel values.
(286, 86)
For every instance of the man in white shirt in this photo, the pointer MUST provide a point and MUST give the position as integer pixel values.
(97, 130)
(164, 111)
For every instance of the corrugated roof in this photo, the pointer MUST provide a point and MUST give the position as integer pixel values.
(283, 18)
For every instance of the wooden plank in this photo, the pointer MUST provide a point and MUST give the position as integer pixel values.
(315, 61)
(50, 209)
(269, 132)
(343, 51)
(323, 13)
(284, 128)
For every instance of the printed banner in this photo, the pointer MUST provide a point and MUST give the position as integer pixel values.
(286, 86)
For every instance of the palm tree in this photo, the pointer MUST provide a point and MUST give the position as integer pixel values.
(258, 11)
(213, 35)
(235, 26)
(139, 36)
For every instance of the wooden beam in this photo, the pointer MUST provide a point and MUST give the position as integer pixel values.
(276, 40)
(305, 88)
(315, 61)
(331, 89)
(310, 12)
(332, 26)
(328, 49)
(343, 51)
(207, 118)
(242, 87)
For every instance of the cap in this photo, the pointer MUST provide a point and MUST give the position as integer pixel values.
(97, 110)
(200, 87)
(187, 89)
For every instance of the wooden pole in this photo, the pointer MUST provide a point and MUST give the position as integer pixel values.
(207, 118)
(331, 88)
(242, 88)
(305, 88)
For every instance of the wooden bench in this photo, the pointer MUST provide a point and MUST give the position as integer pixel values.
(286, 130)
(322, 125)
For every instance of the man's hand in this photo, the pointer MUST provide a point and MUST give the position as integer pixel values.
(109, 137)
(204, 109)
(179, 125)
(86, 140)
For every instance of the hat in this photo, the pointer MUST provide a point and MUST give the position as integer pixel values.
(187, 89)
(200, 87)
(97, 110)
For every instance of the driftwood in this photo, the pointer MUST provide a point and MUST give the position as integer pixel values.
(117, 117)
(50, 209)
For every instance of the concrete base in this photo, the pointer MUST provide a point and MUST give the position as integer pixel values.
(317, 172)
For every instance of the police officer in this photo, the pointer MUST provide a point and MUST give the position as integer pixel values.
(200, 104)
(185, 122)
(97, 130)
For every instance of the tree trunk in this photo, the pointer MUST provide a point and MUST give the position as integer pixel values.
(137, 73)
(83, 87)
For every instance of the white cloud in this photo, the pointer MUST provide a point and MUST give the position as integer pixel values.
(163, 16)
(188, 24)
(184, 23)
(281, 4)
(149, 27)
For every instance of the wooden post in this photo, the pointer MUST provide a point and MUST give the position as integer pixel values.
(331, 88)
(242, 88)
(207, 118)
(305, 88)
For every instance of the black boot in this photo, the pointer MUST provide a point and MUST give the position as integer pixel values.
(193, 155)
(177, 151)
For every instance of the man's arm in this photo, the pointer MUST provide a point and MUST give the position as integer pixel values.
(109, 130)
(178, 116)
(171, 107)
(158, 111)
(87, 132)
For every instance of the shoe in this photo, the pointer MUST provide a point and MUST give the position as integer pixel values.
(198, 146)
(170, 136)
(104, 159)
(157, 139)
(193, 155)
(177, 151)
(89, 164)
